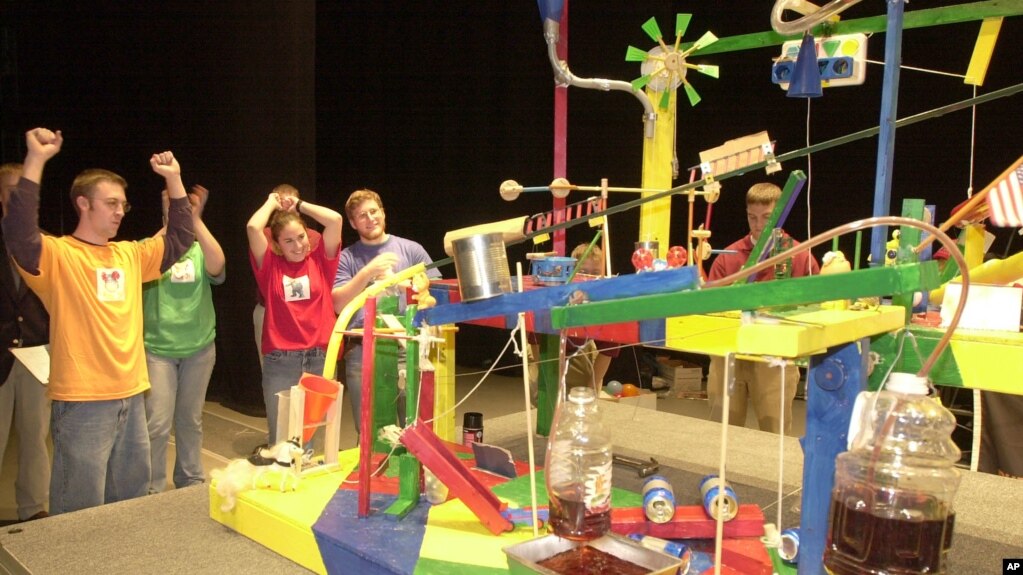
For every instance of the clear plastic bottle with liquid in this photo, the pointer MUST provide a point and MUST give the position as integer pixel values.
(891, 507)
(578, 469)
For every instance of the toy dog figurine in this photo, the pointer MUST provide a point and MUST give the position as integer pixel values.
(256, 471)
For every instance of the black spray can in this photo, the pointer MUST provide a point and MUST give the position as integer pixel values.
(472, 428)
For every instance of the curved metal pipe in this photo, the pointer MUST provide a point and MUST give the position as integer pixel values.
(564, 77)
(813, 14)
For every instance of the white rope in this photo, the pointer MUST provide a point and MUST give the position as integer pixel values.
(915, 69)
(719, 530)
(973, 145)
(781, 438)
(521, 327)
(809, 187)
(479, 383)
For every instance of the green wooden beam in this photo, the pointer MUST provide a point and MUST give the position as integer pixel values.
(861, 283)
(408, 486)
(873, 24)
(796, 179)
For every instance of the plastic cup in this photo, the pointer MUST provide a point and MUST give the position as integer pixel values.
(320, 395)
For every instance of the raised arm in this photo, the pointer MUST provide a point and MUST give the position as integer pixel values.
(211, 250)
(331, 221)
(180, 233)
(21, 220)
(256, 224)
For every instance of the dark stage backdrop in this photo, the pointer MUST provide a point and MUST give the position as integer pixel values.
(435, 103)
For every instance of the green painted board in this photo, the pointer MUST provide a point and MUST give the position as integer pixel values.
(860, 283)
(870, 25)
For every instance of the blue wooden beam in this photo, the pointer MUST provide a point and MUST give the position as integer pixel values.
(543, 299)
(833, 382)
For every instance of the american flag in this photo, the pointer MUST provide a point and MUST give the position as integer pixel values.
(1005, 197)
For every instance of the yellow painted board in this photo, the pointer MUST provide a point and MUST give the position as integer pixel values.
(709, 334)
(982, 50)
(451, 525)
(655, 216)
(443, 358)
(257, 514)
(814, 332)
(989, 361)
(800, 335)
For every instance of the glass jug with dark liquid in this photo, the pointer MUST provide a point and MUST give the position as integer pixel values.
(891, 507)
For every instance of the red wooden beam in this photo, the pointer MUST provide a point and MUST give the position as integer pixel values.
(422, 442)
(689, 522)
(366, 410)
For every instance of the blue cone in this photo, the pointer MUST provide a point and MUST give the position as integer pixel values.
(806, 75)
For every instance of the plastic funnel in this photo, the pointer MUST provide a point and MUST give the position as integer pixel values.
(320, 394)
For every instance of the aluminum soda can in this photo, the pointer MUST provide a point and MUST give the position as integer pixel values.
(718, 501)
(789, 550)
(658, 499)
(679, 550)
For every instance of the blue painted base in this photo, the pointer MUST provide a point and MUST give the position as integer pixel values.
(378, 544)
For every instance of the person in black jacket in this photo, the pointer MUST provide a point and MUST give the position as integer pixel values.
(23, 323)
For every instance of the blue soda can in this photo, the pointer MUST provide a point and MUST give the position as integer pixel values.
(718, 502)
(789, 551)
(658, 499)
(679, 550)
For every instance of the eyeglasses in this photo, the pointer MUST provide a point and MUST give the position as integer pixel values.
(371, 213)
(113, 203)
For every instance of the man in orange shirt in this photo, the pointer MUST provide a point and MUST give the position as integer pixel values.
(92, 289)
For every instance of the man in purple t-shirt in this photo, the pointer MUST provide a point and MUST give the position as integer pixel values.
(376, 255)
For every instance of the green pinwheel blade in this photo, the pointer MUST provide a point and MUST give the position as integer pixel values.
(652, 29)
(681, 23)
(706, 40)
(634, 54)
(641, 82)
(694, 98)
(708, 69)
(665, 99)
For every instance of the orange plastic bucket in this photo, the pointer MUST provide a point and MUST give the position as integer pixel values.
(320, 395)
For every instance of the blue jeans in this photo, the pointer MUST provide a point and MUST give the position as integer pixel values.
(177, 396)
(353, 384)
(100, 452)
(283, 369)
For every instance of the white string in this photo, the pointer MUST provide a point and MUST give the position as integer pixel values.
(781, 440)
(973, 145)
(809, 186)
(520, 325)
(915, 69)
(479, 383)
(719, 529)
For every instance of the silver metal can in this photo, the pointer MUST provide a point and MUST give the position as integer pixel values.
(789, 550)
(658, 499)
(718, 499)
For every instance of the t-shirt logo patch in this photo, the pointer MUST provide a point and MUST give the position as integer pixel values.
(296, 289)
(110, 284)
(183, 272)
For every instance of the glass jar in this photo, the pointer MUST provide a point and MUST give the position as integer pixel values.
(891, 507)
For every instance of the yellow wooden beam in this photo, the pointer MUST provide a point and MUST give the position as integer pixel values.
(655, 216)
(982, 51)
(797, 335)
